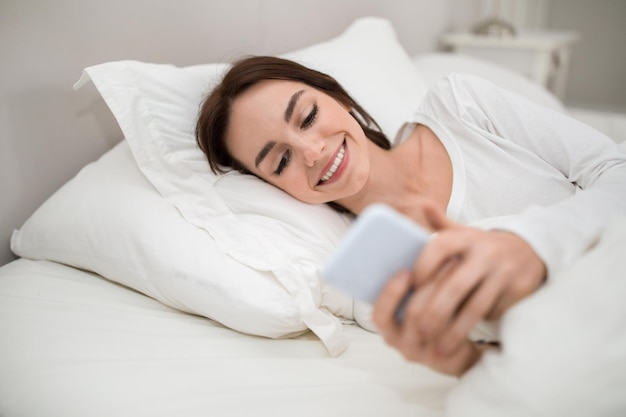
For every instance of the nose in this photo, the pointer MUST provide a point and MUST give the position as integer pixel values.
(312, 150)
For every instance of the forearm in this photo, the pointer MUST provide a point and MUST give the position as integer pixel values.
(559, 234)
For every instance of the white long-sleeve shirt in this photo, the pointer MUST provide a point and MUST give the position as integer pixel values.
(550, 179)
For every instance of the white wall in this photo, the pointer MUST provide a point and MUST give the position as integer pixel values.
(597, 77)
(598, 68)
(48, 131)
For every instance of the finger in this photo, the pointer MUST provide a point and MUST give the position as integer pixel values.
(476, 308)
(453, 292)
(509, 297)
(439, 250)
(502, 303)
(436, 218)
(414, 316)
(498, 309)
(418, 319)
(457, 362)
(519, 281)
(383, 313)
(410, 342)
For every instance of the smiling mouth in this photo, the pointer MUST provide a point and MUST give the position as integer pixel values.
(338, 159)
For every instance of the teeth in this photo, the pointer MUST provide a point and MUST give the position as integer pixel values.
(336, 164)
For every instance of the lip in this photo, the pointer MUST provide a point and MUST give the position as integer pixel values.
(340, 169)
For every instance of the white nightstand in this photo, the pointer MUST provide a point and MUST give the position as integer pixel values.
(543, 56)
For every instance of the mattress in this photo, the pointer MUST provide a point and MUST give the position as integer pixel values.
(75, 344)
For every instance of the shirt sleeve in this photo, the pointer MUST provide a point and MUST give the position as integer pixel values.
(559, 233)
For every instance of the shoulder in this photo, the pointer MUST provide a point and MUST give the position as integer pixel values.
(456, 93)
(459, 85)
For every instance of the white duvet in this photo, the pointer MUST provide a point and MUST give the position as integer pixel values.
(564, 348)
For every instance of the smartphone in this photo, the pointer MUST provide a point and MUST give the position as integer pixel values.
(380, 243)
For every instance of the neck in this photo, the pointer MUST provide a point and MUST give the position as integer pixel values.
(403, 177)
(392, 180)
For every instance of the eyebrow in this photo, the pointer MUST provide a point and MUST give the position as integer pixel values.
(261, 156)
(292, 104)
(288, 113)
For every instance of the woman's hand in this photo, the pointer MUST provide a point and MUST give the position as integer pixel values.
(462, 276)
(405, 337)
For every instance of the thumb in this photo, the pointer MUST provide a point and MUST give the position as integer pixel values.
(435, 217)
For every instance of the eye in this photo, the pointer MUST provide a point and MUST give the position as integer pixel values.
(283, 163)
(308, 121)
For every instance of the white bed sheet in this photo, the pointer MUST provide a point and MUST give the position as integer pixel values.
(75, 344)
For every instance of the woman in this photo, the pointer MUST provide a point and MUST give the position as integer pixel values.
(471, 151)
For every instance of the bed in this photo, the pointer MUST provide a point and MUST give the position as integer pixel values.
(146, 286)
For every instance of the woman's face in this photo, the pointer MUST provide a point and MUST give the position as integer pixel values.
(300, 140)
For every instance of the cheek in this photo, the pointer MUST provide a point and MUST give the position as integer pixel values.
(360, 167)
(300, 189)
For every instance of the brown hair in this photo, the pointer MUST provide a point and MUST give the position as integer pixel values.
(214, 114)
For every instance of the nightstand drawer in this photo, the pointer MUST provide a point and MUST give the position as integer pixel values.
(542, 56)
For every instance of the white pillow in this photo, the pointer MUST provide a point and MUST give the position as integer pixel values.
(111, 220)
(434, 65)
(563, 347)
(260, 228)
